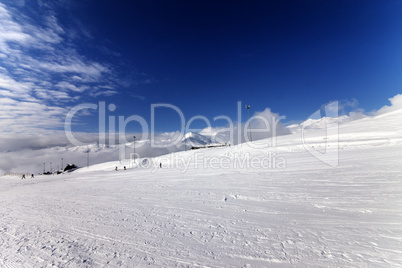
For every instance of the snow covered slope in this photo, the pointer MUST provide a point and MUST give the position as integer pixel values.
(250, 205)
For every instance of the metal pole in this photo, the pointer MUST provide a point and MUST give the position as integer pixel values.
(185, 140)
(134, 149)
(249, 126)
(62, 169)
(249, 122)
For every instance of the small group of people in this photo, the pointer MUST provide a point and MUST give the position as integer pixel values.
(160, 165)
(124, 168)
(23, 176)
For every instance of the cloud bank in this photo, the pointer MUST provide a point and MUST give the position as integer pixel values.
(27, 153)
(42, 73)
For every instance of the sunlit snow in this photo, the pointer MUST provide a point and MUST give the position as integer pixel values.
(211, 207)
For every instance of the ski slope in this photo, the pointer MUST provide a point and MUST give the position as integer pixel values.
(213, 208)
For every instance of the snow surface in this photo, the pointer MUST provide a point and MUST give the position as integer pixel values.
(213, 208)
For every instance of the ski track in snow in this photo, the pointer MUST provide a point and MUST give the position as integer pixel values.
(306, 215)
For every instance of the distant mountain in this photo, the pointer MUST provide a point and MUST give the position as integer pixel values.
(353, 130)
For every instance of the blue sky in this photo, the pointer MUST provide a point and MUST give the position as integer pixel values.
(202, 56)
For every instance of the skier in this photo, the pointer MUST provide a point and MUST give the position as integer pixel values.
(124, 167)
(160, 165)
(23, 176)
(115, 169)
(32, 176)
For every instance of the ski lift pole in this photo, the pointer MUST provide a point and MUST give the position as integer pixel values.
(134, 151)
(249, 123)
(185, 140)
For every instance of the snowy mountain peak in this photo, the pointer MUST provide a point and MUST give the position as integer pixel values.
(196, 139)
(189, 135)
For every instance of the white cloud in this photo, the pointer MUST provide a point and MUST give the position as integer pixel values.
(12, 88)
(94, 70)
(42, 74)
(26, 35)
(47, 94)
(104, 90)
(68, 86)
(20, 116)
(10, 31)
(106, 93)
(355, 114)
(19, 147)
(41, 70)
(264, 124)
(77, 78)
(54, 25)
(270, 121)
(396, 104)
